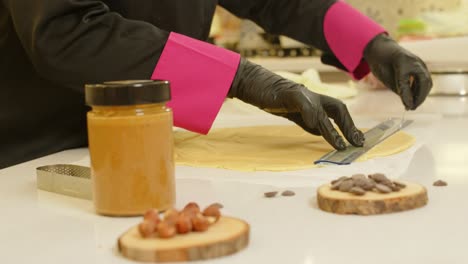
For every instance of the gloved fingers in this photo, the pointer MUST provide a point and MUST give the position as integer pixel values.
(413, 79)
(404, 90)
(297, 118)
(386, 76)
(421, 88)
(330, 134)
(338, 111)
(316, 118)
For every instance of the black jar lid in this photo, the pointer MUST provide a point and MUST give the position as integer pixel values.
(130, 92)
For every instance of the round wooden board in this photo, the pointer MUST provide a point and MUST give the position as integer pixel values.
(411, 197)
(227, 236)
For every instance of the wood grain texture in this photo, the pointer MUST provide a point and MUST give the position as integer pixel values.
(411, 197)
(225, 237)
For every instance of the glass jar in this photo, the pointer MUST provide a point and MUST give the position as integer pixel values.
(131, 147)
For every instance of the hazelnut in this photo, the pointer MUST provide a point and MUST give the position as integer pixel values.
(191, 209)
(212, 211)
(183, 224)
(166, 230)
(152, 215)
(200, 223)
(192, 206)
(147, 228)
(171, 215)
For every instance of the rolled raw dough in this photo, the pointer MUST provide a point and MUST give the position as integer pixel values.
(266, 148)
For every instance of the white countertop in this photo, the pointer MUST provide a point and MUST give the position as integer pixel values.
(46, 228)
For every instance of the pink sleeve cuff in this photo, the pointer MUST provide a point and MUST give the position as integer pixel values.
(348, 32)
(200, 75)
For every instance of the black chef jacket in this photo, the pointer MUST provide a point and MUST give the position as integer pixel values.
(50, 48)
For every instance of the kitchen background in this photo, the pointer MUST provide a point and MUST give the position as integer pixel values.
(404, 19)
(436, 30)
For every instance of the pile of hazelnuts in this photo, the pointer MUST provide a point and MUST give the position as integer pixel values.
(173, 222)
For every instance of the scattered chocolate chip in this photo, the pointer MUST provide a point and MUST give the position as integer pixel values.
(346, 185)
(288, 193)
(270, 194)
(357, 191)
(383, 188)
(440, 183)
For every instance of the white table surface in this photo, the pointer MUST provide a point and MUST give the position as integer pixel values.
(42, 227)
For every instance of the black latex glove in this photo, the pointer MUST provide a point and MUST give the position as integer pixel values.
(401, 71)
(276, 95)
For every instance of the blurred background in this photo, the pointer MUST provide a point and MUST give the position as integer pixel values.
(404, 19)
(436, 30)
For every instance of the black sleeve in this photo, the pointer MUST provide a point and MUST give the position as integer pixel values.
(72, 42)
(298, 19)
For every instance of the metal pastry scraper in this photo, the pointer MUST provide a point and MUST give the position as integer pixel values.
(373, 137)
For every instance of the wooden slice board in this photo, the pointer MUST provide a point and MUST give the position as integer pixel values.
(411, 197)
(225, 237)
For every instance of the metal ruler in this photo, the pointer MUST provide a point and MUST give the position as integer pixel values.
(373, 137)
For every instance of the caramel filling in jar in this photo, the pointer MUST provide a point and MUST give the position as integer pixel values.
(132, 156)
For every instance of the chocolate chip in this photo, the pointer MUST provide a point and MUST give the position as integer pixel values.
(388, 183)
(400, 184)
(270, 194)
(359, 184)
(379, 177)
(440, 183)
(288, 193)
(370, 184)
(357, 191)
(342, 178)
(357, 177)
(383, 188)
(346, 185)
(394, 187)
(336, 185)
(372, 181)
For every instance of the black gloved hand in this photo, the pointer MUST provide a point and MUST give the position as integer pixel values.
(401, 71)
(274, 94)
